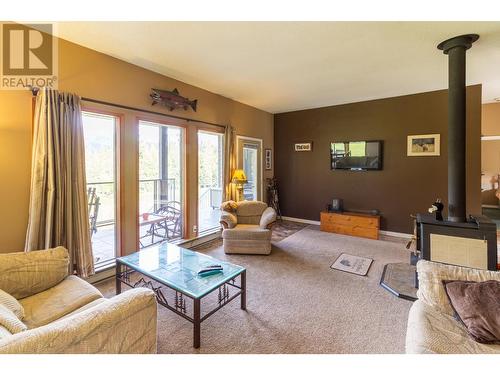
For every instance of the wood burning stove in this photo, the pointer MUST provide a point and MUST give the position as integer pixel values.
(461, 240)
(472, 243)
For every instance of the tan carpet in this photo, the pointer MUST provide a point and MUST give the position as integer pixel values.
(297, 304)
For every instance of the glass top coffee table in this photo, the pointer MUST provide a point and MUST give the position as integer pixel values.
(177, 268)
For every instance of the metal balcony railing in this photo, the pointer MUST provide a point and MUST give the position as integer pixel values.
(160, 191)
(155, 191)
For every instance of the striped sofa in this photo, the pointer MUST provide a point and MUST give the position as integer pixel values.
(45, 310)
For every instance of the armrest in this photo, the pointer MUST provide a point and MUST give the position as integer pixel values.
(432, 274)
(268, 218)
(125, 323)
(228, 220)
(25, 274)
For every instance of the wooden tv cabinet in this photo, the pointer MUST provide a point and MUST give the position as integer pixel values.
(350, 223)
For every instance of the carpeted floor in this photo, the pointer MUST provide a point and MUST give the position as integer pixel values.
(281, 230)
(297, 304)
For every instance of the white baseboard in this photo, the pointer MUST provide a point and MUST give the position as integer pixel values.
(313, 222)
(212, 235)
(305, 221)
(395, 234)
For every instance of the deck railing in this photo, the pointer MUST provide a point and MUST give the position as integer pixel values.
(152, 192)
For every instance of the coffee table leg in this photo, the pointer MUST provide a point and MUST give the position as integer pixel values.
(244, 290)
(197, 323)
(117, 278)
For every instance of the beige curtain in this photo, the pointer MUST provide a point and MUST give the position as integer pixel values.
(58, 212)
(229, 162)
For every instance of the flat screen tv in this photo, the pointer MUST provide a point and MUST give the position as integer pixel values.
(357, 155)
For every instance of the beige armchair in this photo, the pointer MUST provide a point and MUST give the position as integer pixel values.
(247, 227)
(62, 313)
(432, 327)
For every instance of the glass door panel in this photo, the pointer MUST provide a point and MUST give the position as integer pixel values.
(160, 183)
(250, 160)
(100, 168)
(250, 167)
(210, 151)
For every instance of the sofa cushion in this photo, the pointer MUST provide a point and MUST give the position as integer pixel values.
(12, 304)
(432, 331)
(58, 301)
(247, 232)
(477, 306)
(24, 274)
(229, 206)
(268, 217)
(432, 274)
(4, 332)
(10, 321)
(84, 308)
(249, 212)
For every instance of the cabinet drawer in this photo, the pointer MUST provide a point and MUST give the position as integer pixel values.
(364, 221)
(350, 230)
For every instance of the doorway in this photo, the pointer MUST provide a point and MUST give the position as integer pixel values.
(99, 133)
(161, 177)
(210, 179)
(490, 178)
(250, 160)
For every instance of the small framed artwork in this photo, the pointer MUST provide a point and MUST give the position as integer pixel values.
(268, 158)
(306, 146)
(424, 145)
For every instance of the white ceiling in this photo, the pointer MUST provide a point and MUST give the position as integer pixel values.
(286, 66)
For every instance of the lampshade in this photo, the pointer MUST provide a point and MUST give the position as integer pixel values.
(239, 177)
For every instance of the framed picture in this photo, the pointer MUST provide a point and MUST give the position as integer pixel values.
(268, 158)
(424, 145)
(306, 146)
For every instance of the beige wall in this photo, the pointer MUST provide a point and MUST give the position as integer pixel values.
(490, 153)
(94, 75)
(490, 119)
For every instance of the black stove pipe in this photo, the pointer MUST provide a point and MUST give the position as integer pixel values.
(455, 49)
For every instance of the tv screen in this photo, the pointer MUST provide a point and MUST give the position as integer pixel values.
(359, 155)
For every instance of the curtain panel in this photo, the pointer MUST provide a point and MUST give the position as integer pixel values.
(229, 162)
(58, 211)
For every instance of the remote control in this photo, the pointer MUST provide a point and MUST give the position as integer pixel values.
(210, 270)
(208, 273)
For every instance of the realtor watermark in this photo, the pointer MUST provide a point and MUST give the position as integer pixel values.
(29, 56)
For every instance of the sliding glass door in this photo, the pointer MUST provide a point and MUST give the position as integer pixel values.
(160, 183)
(210, 151)
(100, 169)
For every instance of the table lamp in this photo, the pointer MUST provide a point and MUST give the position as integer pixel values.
(239, 179)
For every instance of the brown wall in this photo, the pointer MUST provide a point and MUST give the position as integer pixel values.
(406, 185)
(98, 76)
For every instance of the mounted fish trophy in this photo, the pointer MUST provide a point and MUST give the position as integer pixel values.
(172, 100)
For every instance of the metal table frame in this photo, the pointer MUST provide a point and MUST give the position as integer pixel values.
(178, 305)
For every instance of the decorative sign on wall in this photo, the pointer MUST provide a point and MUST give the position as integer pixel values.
(424, 145)
(268, 159)
(306, 146)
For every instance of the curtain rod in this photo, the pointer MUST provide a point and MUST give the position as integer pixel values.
(34, 91)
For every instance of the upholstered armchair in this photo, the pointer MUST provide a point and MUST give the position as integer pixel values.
(247, 227)
(45, 310)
